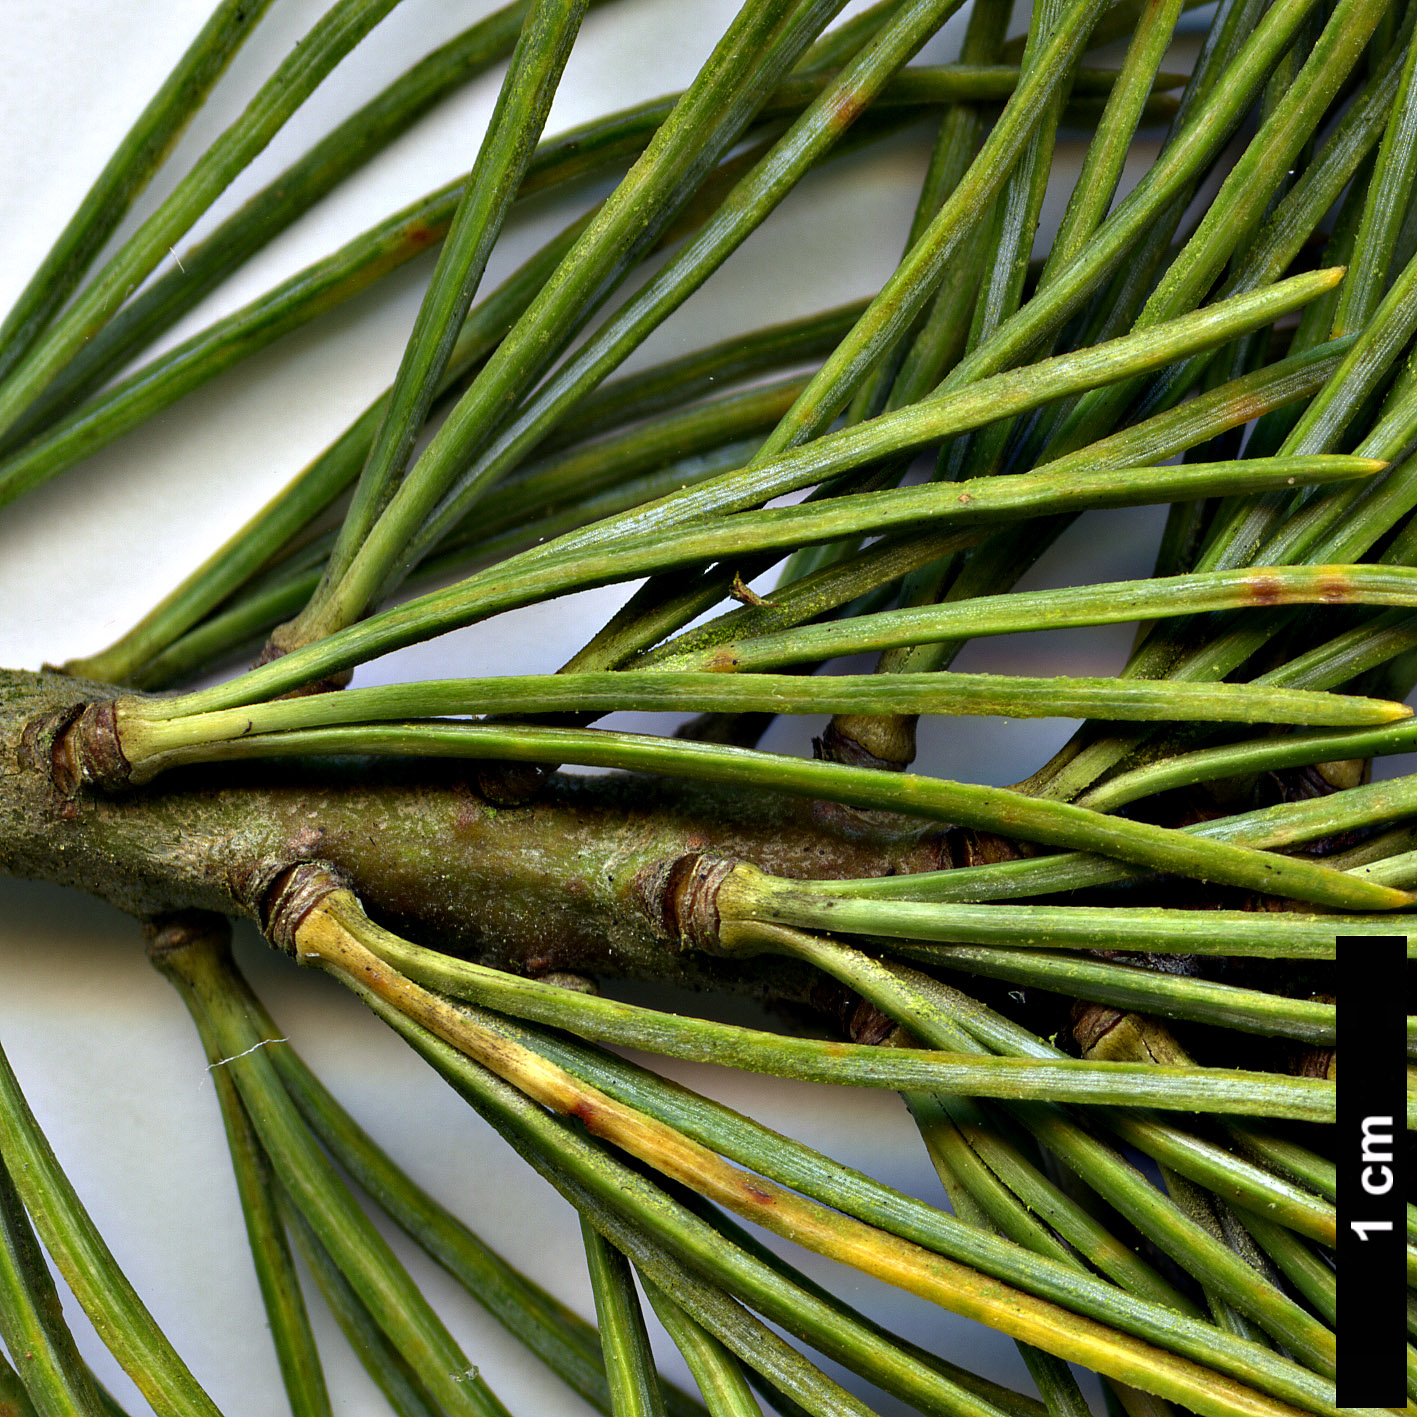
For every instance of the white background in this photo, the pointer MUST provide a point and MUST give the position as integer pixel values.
(100, 1043)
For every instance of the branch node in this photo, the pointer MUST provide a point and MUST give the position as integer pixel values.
(78, 747)
(171, 935)
(1091, 1025)
(689, 904)
(290, 895)
(870, 1025)
(885, 743)
(274, 649)
(41, 733)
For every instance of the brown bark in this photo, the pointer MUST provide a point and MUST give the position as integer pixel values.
(575, 881)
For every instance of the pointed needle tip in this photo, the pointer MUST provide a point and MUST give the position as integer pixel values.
(1399, 899)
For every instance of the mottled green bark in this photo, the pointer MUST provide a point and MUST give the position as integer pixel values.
(573, 881)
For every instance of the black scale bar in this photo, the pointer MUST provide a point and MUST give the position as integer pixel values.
(1372, 1180)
